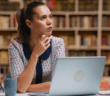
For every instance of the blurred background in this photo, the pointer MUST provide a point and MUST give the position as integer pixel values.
(84, 26)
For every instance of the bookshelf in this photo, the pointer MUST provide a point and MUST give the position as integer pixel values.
(84, 27)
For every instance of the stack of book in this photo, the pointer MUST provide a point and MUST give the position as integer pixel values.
(104, 85)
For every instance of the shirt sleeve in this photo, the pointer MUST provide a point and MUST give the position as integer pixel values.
(15, 61)
(59, 51)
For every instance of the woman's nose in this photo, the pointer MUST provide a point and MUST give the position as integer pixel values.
(49, 21)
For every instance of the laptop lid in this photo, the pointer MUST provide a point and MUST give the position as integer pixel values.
(77, 75)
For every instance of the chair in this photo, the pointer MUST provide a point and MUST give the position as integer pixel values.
(7, 76)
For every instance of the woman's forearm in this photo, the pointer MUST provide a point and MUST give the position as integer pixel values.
(39, 87)
(25, 78)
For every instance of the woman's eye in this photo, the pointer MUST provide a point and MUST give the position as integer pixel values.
(51, 16)
(42, 18)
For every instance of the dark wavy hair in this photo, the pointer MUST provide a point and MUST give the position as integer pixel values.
(22, 15)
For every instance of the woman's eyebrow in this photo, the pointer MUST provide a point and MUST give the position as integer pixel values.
(45, 15)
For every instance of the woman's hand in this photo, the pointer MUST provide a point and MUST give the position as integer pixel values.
(41, 45)
(48, 84)
(45, 86)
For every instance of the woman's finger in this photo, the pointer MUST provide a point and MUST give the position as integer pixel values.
(48, 46)
(46, 43)
(43, 37)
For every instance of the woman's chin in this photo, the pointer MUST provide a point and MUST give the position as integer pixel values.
(48, 34)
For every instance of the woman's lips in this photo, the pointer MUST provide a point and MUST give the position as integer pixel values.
(50, 28)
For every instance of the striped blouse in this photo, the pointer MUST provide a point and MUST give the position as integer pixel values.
(18, 61)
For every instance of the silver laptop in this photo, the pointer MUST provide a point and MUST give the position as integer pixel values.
(77, 75)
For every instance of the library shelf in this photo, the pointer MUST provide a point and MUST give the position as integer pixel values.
(88, 48)
(4, 64)
(71, 47)
(105, 28)
(106, 12)
(8, 29)
(76, 13)
(64, 29)
(3, 48)
(87, 29)
(107, 64)
(105, 47)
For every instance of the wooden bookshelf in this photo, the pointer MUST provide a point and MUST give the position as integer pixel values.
(64, 25)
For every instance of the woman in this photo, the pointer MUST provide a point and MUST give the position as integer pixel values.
(32, 58)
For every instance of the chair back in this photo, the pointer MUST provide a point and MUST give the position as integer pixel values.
(8, 75)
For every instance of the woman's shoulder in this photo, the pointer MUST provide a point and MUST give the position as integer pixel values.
(15, 44)
(56, 40)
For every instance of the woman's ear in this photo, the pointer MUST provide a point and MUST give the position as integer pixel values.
(28, 23)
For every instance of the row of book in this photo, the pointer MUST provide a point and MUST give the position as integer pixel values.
(106, 5)
(73, 21)
(88, 21)
(59, 21)
(5, 21)
(88, 5)
(6, 39)
(105, 41)
(84, 21)
(90, 53)
(68, 40)
(59, 5)
(84, 5)
(28, 1)
(85, 40)
(9, 6)
(88, 40)
(106, 21)
(49, 3)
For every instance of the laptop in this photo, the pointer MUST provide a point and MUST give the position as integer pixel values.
(77, 75)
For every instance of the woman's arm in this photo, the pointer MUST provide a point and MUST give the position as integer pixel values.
(39, 87)
(24, 76)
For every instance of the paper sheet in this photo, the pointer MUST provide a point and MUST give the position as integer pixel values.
(104, 92)
(17, 94)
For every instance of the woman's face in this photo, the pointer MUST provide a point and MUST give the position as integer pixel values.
(42, 23)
